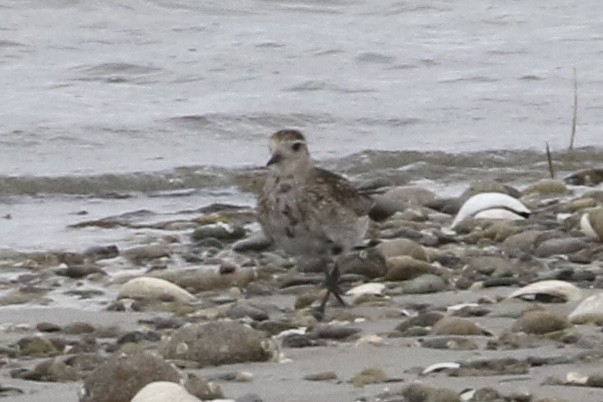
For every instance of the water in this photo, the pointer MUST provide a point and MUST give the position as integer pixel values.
(153, 96)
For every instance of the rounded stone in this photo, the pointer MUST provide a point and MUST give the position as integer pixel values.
(121, 377)
(457, 326)
(164, 391)
(220, 231)
(540, 322)
(369, 263)
(590, 310)
(154, 288)
(216, 343)
(427, 283)
(546, 187)
(556, 246)
(398, 247)
(402, 268)
(521, 242)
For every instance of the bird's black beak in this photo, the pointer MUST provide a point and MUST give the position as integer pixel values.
(276, 158)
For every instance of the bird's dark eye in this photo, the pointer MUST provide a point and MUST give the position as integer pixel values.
(296, 146)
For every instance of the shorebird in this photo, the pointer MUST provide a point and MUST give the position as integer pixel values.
(309, 211)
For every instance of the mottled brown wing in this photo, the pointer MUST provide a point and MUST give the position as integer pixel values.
(343, 192)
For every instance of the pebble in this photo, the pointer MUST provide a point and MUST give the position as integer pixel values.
(369, 263)
(591, 223)
(164, 391)
(427, 283)
(154, 289)
(217, 343)
(369, 376)
(540, 322)
(402, 268)
(220, 231)
(546, 187)
(590, 310)
(141, 254)
(556, 246)
(204, 278)
(419, 392)
(398, 247)
(457, 326)
(122, 376)
(586, 177)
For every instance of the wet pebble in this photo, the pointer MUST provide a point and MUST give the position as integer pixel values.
(338, 332)
(449, 343)
(301, 341)
(216, 343)
(419, 392)
(242, 310)
(204, 278)
(51, 370)
(423, 320)
(398, 247)
(37, 347)
(369, 263)
(220, 231)
(202, 388)
(323, 376)
(540, 322)
(457, 326)
(427, 283)
(546, 187)
(556, 246)
(101, 252)
(586, 177)
(402, 268)
(141, 254)
(369, 376)
(488, 367)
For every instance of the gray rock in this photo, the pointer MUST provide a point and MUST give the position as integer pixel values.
(121, 377)
(141, 254)
(217, 343)
(369, 263)
(558, 246)
(219, 231)
(427, 283)
(540, 322)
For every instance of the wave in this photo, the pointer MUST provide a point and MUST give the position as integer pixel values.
(397, 166)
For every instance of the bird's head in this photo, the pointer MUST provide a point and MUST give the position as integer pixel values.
(289, 151)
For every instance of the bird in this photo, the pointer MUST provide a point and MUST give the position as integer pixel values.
(308, 211)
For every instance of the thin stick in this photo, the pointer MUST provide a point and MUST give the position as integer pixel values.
(575, 118)
(550, 161)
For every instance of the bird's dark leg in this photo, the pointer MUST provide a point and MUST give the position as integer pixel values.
(332, 277)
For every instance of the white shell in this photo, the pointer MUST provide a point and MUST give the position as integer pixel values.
(576, 378)
(154, 288)
(484, 201)
(440, 366)
(498, 213)
(164, 391)
(589, 310)
(561, 289)
(366, 289)
(586, 227)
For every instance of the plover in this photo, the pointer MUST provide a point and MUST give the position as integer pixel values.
(309, 211)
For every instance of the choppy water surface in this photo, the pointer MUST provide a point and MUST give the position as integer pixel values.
(169, 103)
